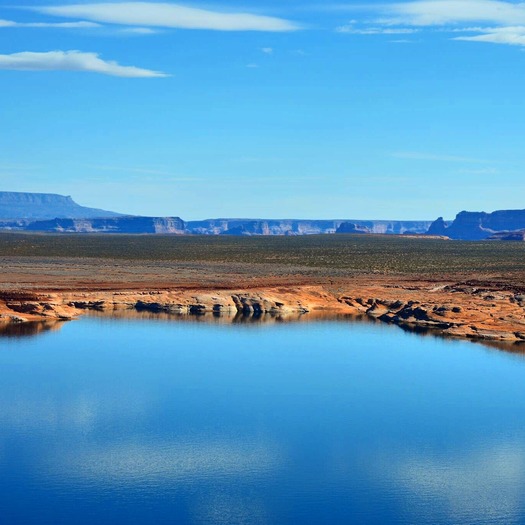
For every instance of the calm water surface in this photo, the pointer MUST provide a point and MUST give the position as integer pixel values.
(149, 422)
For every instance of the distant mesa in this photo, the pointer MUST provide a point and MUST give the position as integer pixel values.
(125, 224)
(438, 227)
(475, 226)
(384, 227)
(39, 206)
(248, 227)
(518, 235)
(48, 212)
(352, 227)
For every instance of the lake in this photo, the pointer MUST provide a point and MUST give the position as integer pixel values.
(157, 421)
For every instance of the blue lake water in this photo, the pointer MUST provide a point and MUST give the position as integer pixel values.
(110, 421)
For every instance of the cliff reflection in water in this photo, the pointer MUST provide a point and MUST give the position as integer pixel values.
(224, 318)
(39, 327)
(239, 318)
(28, 329)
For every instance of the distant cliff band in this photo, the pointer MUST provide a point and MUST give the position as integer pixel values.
(48, 212)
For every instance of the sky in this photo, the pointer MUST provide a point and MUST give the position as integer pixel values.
(267, 108)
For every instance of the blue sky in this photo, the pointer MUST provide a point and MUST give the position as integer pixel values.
(277, 108)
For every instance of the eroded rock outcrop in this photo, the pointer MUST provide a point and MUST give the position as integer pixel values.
(384, 227)
(301, 226)
(484, 310)
(473, 226)
(22, 205)
(126, 224)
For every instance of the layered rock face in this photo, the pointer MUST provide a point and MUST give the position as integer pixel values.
(59, 213)
(472, 226)
(301, 227)
(351, 227)
(111, 225)
(518, 235)
(384, 227)
(18, 205)
(261, 226)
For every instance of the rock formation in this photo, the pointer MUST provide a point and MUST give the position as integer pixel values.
(438, 227)
(300, 226)
(384, 227)
(474, 226)
(518, 235)
(261, 226)
(111, 225)
(58, 213)
(351, 227)
(18, 205)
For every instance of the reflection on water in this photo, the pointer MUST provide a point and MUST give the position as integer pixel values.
(485, 482)
(28, 329)
(133, 421)
(240, 318)
(224, 317)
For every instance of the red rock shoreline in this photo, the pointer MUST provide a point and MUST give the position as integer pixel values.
(483, 311)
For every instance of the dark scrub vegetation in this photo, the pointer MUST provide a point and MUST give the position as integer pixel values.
(350, 253)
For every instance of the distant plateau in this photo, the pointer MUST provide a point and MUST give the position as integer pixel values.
(46, 212)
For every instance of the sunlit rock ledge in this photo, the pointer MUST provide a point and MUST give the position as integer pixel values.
(460, 310)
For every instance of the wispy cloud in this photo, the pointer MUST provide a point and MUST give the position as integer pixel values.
(496, 22)
(154, 14)
(443, 12)
(514, 36)
(139, 31)
(267, 50)
(62, 25)
(72, 61)
(350, 28)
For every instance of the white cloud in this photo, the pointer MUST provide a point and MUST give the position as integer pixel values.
(139, 31)
(443, 12)
(267, 50)
(169, 15)
(63, 25)
(72, 61)
(514, 36)
(376, 30)
(495, 21)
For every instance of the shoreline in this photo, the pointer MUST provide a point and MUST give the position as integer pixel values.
(483, 311)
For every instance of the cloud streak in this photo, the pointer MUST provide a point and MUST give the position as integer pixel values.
(513, 36)
(62, 25)
(496, 21)
(352, 29)
(72, 61)
(154, 14)
(443, 12)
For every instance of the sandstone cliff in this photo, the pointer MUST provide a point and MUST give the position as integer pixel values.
(474, 226)
(19, 205)
(111, 225)
(384, 227)
(301, 226)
